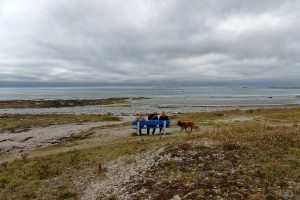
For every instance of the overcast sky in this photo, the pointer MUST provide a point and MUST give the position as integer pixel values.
(145, 40)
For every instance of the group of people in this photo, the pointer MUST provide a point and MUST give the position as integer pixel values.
(154, 116)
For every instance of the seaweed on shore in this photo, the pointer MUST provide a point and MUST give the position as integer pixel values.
(59, 103)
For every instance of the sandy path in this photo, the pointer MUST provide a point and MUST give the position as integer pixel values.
(44, 136)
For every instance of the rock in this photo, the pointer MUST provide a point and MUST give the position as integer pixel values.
(176, 197)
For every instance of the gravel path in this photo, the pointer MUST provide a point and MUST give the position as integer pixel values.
(121, 172)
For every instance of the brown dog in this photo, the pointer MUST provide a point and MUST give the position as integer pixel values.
(188, 126)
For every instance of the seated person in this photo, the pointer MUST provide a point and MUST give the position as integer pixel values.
(164, 117)
(140, 118)
(152, 116)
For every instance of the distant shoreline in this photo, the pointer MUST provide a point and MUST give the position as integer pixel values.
(137, 105)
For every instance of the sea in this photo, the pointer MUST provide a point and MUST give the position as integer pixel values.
(36, 93)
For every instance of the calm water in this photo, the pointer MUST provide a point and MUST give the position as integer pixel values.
(154, 93)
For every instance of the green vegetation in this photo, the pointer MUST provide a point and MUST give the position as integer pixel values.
(274, 148)
(21, 179)
(16, 123)
(250, 159)
(112, 197)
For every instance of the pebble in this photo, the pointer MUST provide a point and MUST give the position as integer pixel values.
(176, 197)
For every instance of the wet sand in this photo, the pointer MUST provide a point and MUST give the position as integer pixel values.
(169, 105)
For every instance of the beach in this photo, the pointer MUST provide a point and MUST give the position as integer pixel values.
(105, 159)
(147, 105)
(124, 108)
(149, 100)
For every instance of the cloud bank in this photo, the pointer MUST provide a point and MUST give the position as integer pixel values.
(149, 40)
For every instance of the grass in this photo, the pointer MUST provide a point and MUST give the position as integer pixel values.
(268, 145)
(22, 179)
(251, 161)
(271, 149)
(15, 123)
(204, 116)
(283, 115)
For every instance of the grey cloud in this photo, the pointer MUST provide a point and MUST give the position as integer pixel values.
(144, 40)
